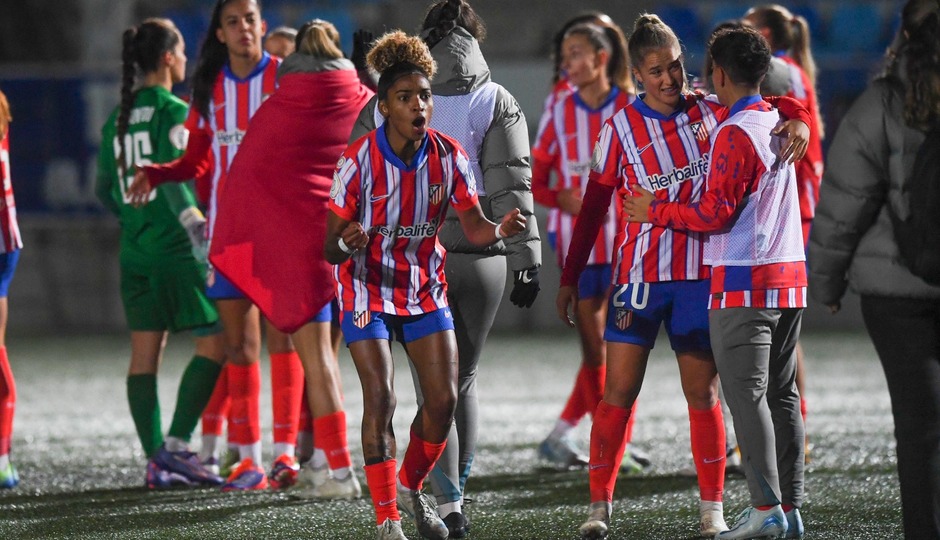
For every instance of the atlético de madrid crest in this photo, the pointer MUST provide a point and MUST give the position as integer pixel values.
(435, 193)
(623, 318)
(361, 318)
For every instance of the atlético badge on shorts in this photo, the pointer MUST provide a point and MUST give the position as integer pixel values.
(435, 193)
(361, 318)
(624, 318)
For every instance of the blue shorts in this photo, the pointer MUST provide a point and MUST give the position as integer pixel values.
(595, 281)
(404, 328)
(325, 314)
(553, 240)
(220, 288)
(636, 310)
(8, 263)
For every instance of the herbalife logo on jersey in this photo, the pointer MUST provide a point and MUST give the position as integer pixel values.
(419, 230)
(662, 181)
(229, 138)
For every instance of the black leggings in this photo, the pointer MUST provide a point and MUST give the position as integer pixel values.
(906, 334)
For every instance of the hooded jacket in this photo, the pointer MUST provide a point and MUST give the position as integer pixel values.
(464, 97)
(271, 222)
(852, 240)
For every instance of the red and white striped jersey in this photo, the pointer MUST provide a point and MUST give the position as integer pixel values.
(561, 88)
(402, 207)
(234, 101)
(9, 227)
(809, 170)
(566, 137)
(667, 155)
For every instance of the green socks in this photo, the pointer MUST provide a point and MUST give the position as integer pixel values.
(145, 410)
(196, 388)
(194, 392)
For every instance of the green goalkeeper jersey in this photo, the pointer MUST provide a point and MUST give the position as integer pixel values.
(155, 134)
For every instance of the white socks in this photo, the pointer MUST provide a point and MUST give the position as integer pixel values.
(561, 429)
(174, 444)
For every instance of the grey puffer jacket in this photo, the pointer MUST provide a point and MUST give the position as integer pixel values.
(488, 122)
(852, 239)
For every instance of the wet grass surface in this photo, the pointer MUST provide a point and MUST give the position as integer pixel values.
(82, 470)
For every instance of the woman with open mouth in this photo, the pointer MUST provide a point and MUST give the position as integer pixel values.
(391, 191)
(487, 121)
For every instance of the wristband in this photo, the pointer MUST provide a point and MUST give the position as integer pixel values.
(346, 249)
(499, 234)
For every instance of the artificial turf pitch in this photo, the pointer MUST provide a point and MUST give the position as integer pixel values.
(82, 469)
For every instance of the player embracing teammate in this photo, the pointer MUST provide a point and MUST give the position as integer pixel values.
(750, 211)
(659, 142)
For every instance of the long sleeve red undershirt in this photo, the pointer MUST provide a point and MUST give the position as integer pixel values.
(594, 208)
(194, 163)
(541, 172)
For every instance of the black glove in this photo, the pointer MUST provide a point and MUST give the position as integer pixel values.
(526, 287)
(362, 42)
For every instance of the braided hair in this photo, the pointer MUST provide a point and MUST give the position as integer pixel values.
(143, 47)
(396, 55)
(446, 15)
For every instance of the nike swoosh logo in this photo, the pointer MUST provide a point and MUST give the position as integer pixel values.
(595, 467)
(387, 503)
(643, 149)
(525, 277)
(377, 198)
(715, 460)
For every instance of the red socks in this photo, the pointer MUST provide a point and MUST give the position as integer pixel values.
(213, 416)
(7, 402)
(244, 388)
(420, 458)
(381, 480)
(630, 421)
(287, 388)
(329, 433)
(587, 393)
(707, 430)
(608, 440)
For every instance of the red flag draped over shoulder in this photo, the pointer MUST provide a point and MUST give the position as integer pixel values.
(271, 221)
